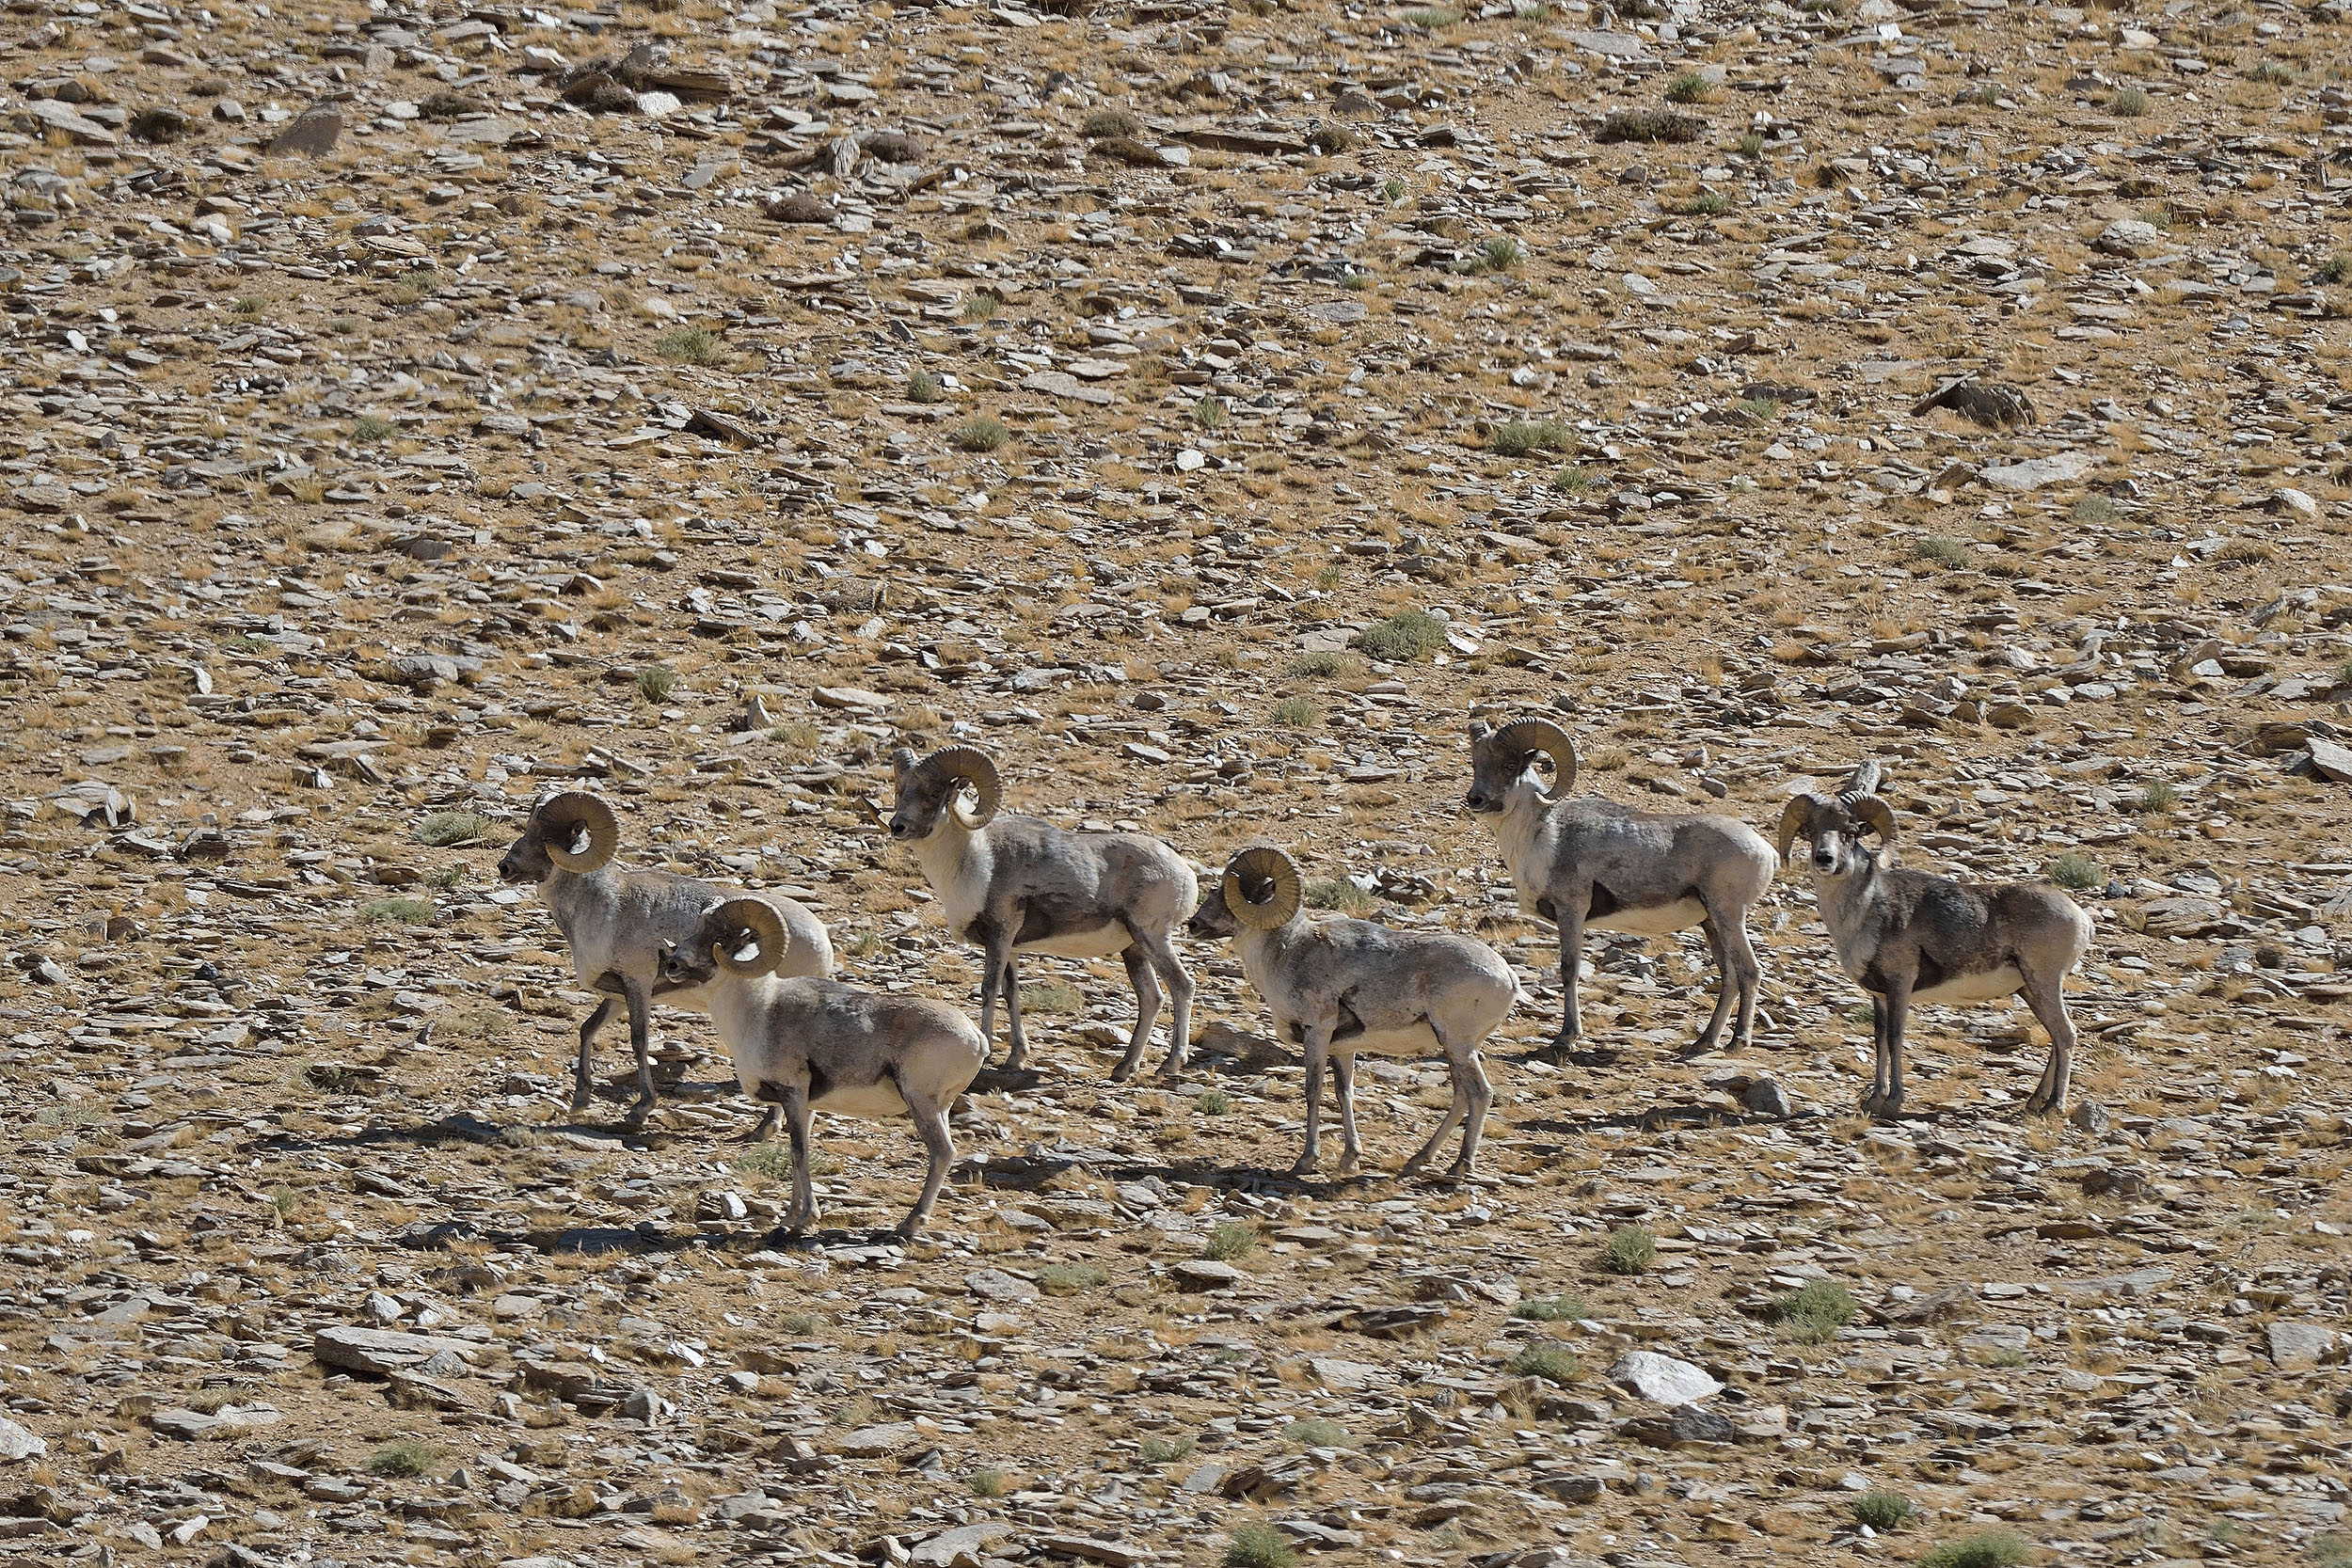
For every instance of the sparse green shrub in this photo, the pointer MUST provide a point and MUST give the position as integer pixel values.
(655, 682)
(1552, 1363)
(2276, 73)
(1356, 282)
(1208, 412)
(2335, 269)
(923, 386)
(1231, 1239)
(407, 1458)
(2130, 103)
(980, 308)
(1882, 1510)
(1551, 1309)
(1338, 893)
(690, 345)
(1814, 1312)
(1951, 554)
(1984, 1548)
(1572, 480)
(396, 912)
(1298, 713)
(1402, 638)
(981, 433)
(1522, 437)
(986, 1483)
(1630, 1248)
(1752, 145)
(1213, 1102)
(1767, 409)
(368, 429)
(1431, 16)
(2096, 509)
(1051, 999)
(1392, 189)
(1315, 1432)
(1498, 254)
(1259, 1546)
(1102, 124)
(1649, 125)
(770, 1160)
(1163, 1451)
(1688, 87)
(446, 828)
(2075, 871)
(1322, 666)
(1071, 1279)
(250, 306)
(1706, 204)
(2158, 797)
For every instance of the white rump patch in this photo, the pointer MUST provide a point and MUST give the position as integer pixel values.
(1104, 942)
(1656, 921)
(1990, 986)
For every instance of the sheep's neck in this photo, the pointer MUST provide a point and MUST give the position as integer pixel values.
(1518, 829)
(571, 895)
(1853, 909)
(955, 862)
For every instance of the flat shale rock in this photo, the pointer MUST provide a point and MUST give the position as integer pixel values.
(1662, 1379)
(2299, 1347)
(383, 1350)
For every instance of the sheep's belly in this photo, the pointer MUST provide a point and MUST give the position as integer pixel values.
(864, 1100)
(1417, 1039)
(1991, 986)
(1656, 921)
(1102, 942)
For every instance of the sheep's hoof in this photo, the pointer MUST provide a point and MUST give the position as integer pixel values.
(1123, 1071)
(582, 1097)
(2041, 1103)
(1882, 1104)
(1349, 1166)
(1306, 1165)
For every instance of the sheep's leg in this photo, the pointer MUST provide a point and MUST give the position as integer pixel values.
(1454, 1113)
(641, 1038)
(930, 1125)
(795, 1107)
(1571, 918)
(996, 958)
(1482, 1099)
(1877, 1091)
(2047, 998)
(583, 1096)
(1316, 1044)
(1344, 1086)
(1179, 982)
(764, 1130)
(1712, 929)
(1147, 1009)
(1013, 1031)
(1749, 972)
(1890, 1055)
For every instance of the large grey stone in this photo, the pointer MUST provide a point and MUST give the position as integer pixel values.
(17, 1443)
(2128, 237)
(1346, 1376)
(1661, 1379)
(2299, 1347)
(963, 1547)
(2036, 473)
(996, 1285)
(890, 1437)
(384, 1350)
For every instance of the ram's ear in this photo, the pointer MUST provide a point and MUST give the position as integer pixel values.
(1480, 729)
(902, 762)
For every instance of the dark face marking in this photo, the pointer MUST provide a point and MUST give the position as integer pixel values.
(1212, 920)
(923, 797)
(526, 860)
(1494, 768)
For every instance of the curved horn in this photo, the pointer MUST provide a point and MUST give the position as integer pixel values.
(973, 768)
(559, 816)
(1878, 814)
(1542, 735)
(1865, 782)
(1275, 866)
(739, 922)
(1793, 817)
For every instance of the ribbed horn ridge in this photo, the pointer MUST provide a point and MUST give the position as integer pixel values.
(1879, 815)
(1264, 863)
(974, 768)
(560, 817)
(747, 922)
(1542, 735)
